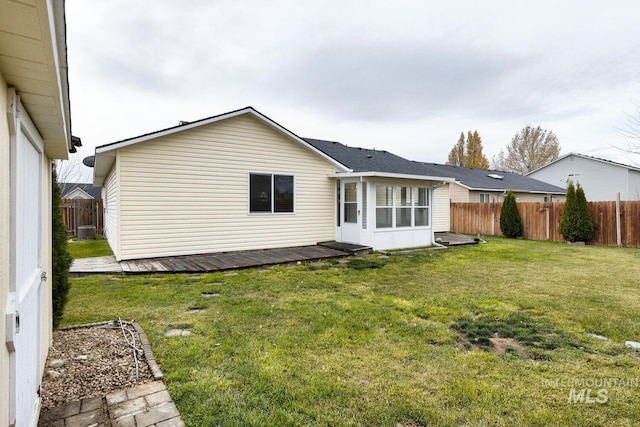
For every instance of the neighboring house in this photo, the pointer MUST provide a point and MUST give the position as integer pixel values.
(241, 181)
(485, 186)
(72, 190)
(601, 179)
(35, 127)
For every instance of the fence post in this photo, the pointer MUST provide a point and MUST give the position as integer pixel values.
(493, 218)
(618, 228)
(75, 217)
(546, 208)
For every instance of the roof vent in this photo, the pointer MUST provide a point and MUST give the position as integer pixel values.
(369, 156)
(495, 176)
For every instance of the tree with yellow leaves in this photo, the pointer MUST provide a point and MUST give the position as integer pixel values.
(468, 153)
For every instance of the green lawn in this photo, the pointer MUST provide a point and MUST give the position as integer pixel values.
(403, 339)
(89, 248)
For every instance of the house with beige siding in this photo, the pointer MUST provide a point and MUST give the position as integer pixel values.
(35, 128)
(473, 185)
(241, 181)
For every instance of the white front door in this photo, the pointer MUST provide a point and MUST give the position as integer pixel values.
(350, 209)
(24, 311)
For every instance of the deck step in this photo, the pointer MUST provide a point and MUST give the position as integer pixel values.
(349, 248)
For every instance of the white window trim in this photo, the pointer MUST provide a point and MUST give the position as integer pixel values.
(272, 174)
(427, 207)
(354, 202)
(393, 207)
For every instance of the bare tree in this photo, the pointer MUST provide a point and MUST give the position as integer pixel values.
(632, 132)
(73, 170)
(529, 149)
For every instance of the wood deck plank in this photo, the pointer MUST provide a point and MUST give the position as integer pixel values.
(206, 262)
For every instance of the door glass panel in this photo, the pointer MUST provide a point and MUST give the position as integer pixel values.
(364, 205)
(351, 202)
(338, 201)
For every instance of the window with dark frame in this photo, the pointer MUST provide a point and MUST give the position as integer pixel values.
(283, 193)
(270, 193)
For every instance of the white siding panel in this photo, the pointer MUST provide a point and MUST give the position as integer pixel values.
(498, 196)
(187, 193)
(531, 197)
(441, 214)
(459, 194)
(634, 185)
(110, 195)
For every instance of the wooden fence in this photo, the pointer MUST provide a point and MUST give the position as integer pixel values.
(612, 225)
(79, 212)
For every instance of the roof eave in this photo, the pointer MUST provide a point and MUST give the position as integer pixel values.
(391, 175)
(516, 190)
(43, 95)
(77, 189)
(104, 149)
(101, 168)
(583, 156)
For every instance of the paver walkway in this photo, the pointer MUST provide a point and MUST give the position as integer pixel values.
(214, 262)
(140, 406)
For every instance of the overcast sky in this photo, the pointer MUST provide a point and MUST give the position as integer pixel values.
(403, 76)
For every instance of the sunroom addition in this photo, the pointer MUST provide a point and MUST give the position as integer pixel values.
(385, 212)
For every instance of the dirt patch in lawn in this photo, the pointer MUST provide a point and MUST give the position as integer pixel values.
(503, 345)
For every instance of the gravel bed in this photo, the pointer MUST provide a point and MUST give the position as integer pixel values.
(96, 360)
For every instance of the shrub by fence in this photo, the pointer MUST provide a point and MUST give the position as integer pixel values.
(79, 212)
(612, 225)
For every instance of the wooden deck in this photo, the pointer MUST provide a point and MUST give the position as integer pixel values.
(204, 263)
(453, 239)
(103, 264)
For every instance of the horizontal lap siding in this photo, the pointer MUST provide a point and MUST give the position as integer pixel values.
(441, 206)
(187, 193)
(110, 197)
(458, 193)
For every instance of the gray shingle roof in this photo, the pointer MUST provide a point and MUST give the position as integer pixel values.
(480, 179)
(68, 187)
(367, 160)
